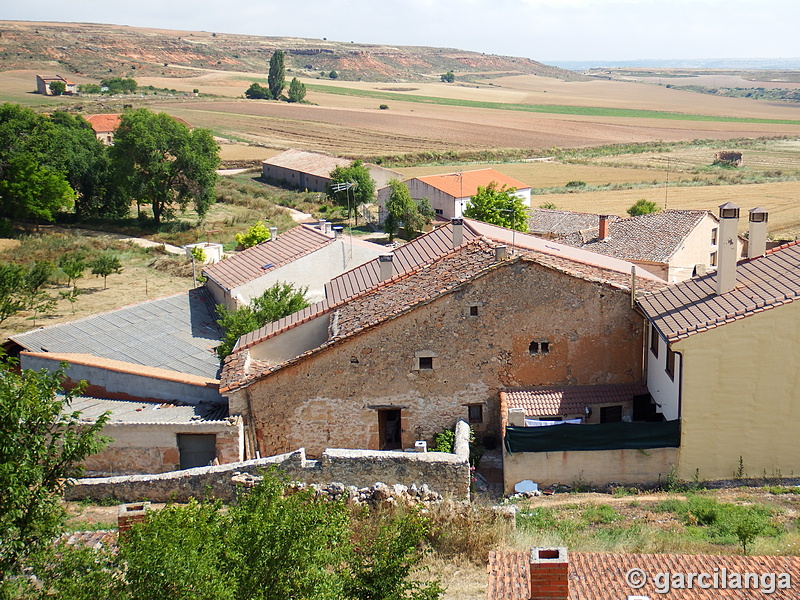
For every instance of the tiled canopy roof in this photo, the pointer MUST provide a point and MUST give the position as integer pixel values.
(312, 163)
(601, 576)
(569, 400)
(254, 262)
(693, 306)
(654, 237)
(463, 185)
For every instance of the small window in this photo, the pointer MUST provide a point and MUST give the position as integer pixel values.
(611, 414)
(438, 211)
(713, 260)
(654, 341)
(714, 236)
(425, 363)
(670, 363)
(473, 311)
(539, 348)
(475, 413)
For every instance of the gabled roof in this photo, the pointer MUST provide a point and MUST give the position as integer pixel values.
(466, 183)
(103, 123)
(177, 333)
(254, 262)
(602, 576)
(655, 237)
(693, 306)
(312, 163)
(569, 400)
(544, 221)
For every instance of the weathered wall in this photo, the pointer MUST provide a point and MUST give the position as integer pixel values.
(333, 397)
(153, 447)
(447, 474)
(741, 397)
(599, 467)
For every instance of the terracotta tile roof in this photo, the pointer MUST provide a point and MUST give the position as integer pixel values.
(545, 221)
(654, 237)
(466, 183)
(312, 163)
(568, 400)
(601, 576)
(103, 123)
(693, 306)
(254, 262)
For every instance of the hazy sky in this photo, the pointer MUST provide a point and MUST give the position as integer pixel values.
(544, 30)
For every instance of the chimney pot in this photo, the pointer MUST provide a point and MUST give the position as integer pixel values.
(602, 231)
(273, 233)
(757, 239)
(337, 231)
(386, 262)
(458, 232)
(500, 252)
(549, 574)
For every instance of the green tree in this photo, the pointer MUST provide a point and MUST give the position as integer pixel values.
(276, 302)
(21, 289)
(297, 91)
(89, 88)
(57, 88)
(104, 265)
(643, 207)
(360, 193)
(254, 235)
(333, 75)
(257, 92)
(161, 162)
(499, 207)
(73, 265)
(403, 211)
(448, 77)
(42, 444)
(12, 278)
(119, 85)
(276, 78)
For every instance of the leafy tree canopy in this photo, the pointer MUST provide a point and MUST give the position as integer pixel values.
(257, 92)
(361, 193)
(104, 265)
(276, 78)
(254, 235)
(297, 91)
(57, 88)
(499, 207)
(448, 77)
(643, 207)
(160, 162)
(402, 210)
(120, 85)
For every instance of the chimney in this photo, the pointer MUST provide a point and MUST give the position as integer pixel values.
(727, 247)
(328, 227)
(321, 225)
(128, 514)
(500, 252)
(337, 231)
(757, 239)
(602, 232)
(273, 233)
(386, 264)
(549, 574)
(458, 232)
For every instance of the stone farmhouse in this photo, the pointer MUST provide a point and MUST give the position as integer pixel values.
(306, 255)
(405, 345)
(104, 126)
(556, 574)
(449, 194)
(311, 170)
(43, 85)
(673, 244)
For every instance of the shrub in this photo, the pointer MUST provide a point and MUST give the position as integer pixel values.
(643, 207)
(384, 106)
(255, 235)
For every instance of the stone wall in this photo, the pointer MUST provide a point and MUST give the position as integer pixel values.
(446, 474)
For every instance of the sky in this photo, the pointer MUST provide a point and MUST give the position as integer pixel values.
(543, 30)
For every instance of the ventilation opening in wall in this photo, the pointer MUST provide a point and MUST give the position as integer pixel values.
(425, 363)
(539, 348)
(473, 311)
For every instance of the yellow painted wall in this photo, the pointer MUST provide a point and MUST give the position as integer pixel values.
(741, 397)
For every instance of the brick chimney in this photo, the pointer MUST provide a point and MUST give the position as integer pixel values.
(549, 574)
(757, 239)
(128, 514)
(602, 232)
(727, 247)
(458, 232)
(386, 262)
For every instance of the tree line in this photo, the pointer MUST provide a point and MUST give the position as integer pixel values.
(55, 163)
(276, 81)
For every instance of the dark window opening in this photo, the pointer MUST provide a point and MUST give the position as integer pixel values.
(611, 414)
(713, 259)
(714, 236)
(670, 363)
(475, 413)
(473, 311)
(539, 348)
(544, 347)
(353, 360)
(654, 341)
(389, 429)
(425, 362)
(438, 211)
(196, 450)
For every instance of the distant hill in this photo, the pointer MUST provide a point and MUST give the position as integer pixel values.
(100, 51)
(739, 64)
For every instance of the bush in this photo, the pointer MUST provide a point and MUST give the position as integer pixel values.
(384, 107)
(643, 207)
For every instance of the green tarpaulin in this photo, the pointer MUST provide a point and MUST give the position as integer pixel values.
(604, 436)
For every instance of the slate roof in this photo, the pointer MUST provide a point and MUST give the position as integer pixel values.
(601, 576)
(176, 333)
(312, 163)
(655, 237)
(569, 400)
(545, 221)
(125, 411)
(693, 306)
(254, 262)
(466, 183)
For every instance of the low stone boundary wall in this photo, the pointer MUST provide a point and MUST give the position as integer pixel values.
(447, 474)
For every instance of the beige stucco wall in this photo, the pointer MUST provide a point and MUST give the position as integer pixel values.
(332, 398)
(696, 249)
(597, 467)
(741, 397)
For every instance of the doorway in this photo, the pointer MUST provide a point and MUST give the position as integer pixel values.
(389, 429)
(197, 450)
